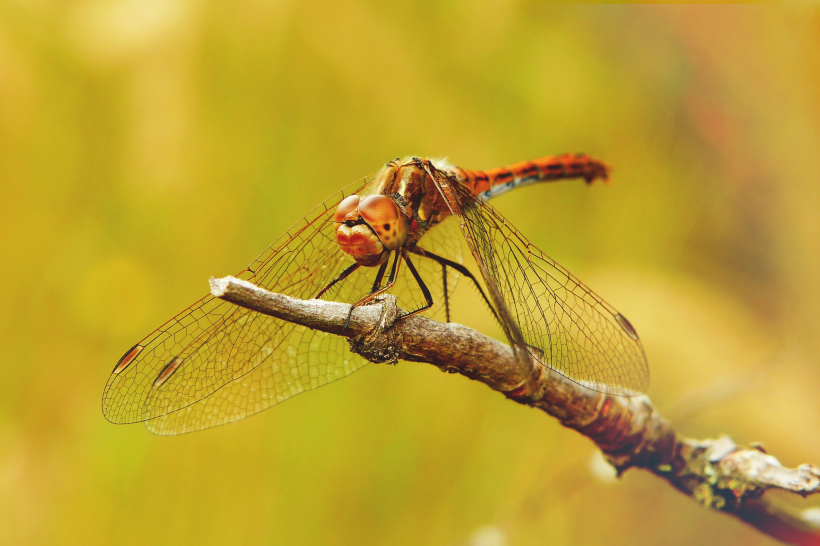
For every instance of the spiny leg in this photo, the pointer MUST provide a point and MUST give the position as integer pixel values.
(424, 290)
(458, 267)
(390, 282)
(342, 276)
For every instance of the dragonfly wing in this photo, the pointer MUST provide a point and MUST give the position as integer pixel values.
(443, 240)
(547, 312)
(305, 360)
(214, 343)
(295, 358)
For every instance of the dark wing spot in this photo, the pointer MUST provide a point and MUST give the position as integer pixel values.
(167, 371)
(627, 326)
(386, 227)
(127, 358)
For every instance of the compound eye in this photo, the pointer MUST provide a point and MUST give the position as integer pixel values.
(378, 209)
(383, 216)
(349, 204)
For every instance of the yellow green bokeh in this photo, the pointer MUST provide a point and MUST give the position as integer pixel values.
(146, 145)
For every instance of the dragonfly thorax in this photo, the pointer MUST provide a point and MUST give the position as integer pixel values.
(370, 228)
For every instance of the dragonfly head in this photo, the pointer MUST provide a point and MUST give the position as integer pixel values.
(368, 229)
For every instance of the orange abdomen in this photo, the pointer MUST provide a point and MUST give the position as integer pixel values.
(489, 184)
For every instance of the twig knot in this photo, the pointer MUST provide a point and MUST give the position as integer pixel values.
(384, 343)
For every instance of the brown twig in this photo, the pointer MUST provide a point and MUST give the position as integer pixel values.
(631, 433)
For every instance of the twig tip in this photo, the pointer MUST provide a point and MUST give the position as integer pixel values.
(219, 286)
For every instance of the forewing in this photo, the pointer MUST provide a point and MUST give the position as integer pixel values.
(559, 320)
(298, 358)
(216, 363)
(213, 343)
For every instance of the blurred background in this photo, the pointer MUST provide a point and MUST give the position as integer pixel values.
(146, 145)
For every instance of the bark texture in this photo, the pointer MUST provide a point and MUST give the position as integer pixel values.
(630, 432)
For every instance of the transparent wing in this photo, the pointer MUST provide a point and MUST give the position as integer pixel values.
(307, 358)
(444, 240)
(550, 313)
(214, 342)
(216, 363)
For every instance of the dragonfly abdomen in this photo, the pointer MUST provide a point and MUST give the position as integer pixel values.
(494, 182)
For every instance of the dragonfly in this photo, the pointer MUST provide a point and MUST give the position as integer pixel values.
(399, 231)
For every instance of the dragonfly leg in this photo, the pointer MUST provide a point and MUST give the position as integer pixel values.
(344, 274)
(390, 282)
(446, 296)
(424, 290)
(458, 267)
(379, 276)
